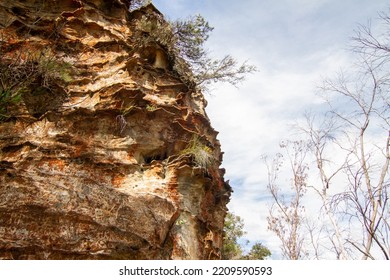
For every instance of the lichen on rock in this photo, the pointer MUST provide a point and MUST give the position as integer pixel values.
(101, 139)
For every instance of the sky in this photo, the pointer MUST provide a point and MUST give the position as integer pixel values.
(294, 44)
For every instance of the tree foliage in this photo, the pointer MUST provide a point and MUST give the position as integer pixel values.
(185, 41)
(233, 231)
(257, 252)
(191, 36)
(232, 250)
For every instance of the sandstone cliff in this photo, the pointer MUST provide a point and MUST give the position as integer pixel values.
(106, 151)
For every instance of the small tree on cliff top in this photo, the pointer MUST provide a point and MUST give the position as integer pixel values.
(186, 39)
(191, 35)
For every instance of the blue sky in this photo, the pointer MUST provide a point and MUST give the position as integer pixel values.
(294, 44)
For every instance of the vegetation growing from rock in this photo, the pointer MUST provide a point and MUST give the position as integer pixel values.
(26, 73)
(185, 41)
(200, 153)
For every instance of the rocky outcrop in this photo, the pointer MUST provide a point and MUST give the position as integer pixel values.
(106, 151)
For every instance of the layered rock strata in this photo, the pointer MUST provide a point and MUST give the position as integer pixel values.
(106, 151)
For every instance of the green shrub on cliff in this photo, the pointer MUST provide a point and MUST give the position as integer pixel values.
(185, 40)
(23, 72)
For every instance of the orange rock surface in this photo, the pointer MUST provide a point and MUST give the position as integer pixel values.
(101, 164)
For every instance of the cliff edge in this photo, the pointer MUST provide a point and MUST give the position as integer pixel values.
(106, 151)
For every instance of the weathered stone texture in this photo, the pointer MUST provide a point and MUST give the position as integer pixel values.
(103, 165)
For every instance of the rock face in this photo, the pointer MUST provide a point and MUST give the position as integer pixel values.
(106, 151)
